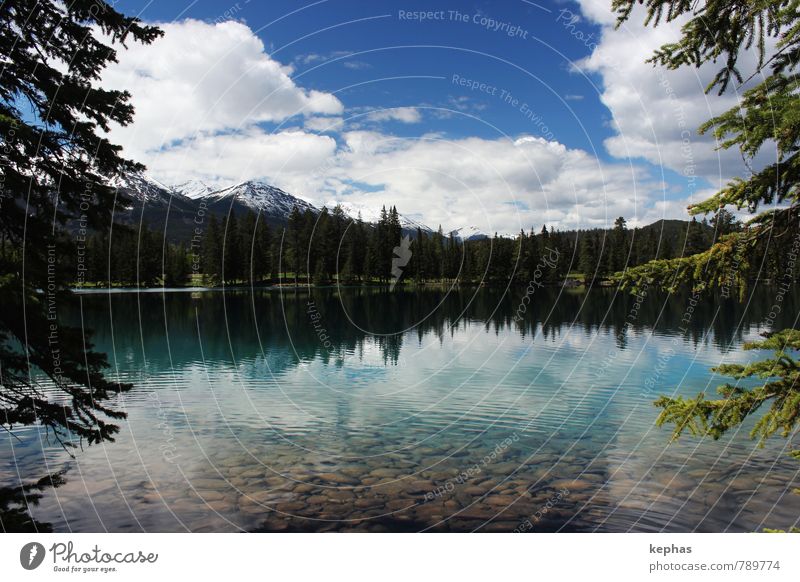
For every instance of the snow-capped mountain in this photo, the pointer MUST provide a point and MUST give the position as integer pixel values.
(470, 233)
(260, 196)
(251, 194)
(411, 224)
(180, 210)
(142, 187)
(372, 215)
(193, 189)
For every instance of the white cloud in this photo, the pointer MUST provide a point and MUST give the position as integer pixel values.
(202, 78)
(402, 114)
(313, 58)
(324, 124)
(655, 111)
(356, 65)
(225, 159)
(493, 184)
(465, 103)
(201, 92)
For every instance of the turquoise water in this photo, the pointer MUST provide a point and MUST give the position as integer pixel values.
(371, 410)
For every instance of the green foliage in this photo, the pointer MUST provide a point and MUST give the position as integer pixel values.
(719, 31)
(590, 262)
(55, 167)
(331, 246)
(781, 389)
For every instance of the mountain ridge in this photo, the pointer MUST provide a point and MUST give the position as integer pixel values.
(179, 210)
(176, 210)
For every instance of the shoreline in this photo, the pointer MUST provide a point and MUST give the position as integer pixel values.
(411, 286)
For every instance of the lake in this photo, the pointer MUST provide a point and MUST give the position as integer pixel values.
(365, 409)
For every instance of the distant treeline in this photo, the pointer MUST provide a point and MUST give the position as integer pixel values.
(329, 246)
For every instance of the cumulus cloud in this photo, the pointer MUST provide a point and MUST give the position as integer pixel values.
(497, 185)
(324, 124)
(225, 159)
(402, 114)
(202, 78)
(203, 92)
(655, 111)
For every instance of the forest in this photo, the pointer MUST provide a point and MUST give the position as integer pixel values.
(329, 246)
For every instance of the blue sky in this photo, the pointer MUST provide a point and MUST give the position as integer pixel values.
(363, 37)
(379, 91)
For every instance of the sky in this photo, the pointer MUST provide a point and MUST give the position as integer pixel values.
(496, 116)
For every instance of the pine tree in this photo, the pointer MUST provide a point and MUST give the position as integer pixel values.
(177, 270)
(532, 256)
(232, 260)
(247, 243)
(589, 264)
(718, 32)
(293, 255)
(262, 254)
(212, 252)
(150, 255)
(618, 242)
(695, 238)
(724, 223)
(51, 114)
(324, 248)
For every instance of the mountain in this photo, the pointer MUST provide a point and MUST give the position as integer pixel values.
(672, 229)
(192, 189)
(177, 211)
(408, 225)
(259, 196)
(469, 233)
(142, 188)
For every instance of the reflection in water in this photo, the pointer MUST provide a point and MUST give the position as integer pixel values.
(365, 409)
(15, 502)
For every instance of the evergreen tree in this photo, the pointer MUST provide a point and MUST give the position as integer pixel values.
(589, 263)
(150, 258)
(718, 31)
(232, 260)
(293, 255)
(212, 252)
(695, 238)
(262, 254)
(324, 248)
(51, 114)
(724, 223)
(618, 241)
(247, 244)
(177, 270)
(355, 241)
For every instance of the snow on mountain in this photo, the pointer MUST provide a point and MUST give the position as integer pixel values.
(253, 194)
(373, 216)
(139, 186)
(193, 189)
(470, 233)
(411, 224)
(352, 211)
(261, 196)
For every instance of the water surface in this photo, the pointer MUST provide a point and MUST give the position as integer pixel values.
(377, 410)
